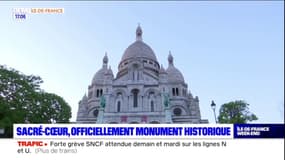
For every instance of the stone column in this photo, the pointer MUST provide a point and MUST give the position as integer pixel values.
(168, 118)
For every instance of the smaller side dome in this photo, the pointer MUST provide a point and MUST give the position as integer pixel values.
(99, 76)
(110, 72)
(174, 75)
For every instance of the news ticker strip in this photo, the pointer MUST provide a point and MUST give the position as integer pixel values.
(121, 131)
(73, 131)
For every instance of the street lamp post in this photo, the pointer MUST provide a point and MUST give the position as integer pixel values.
(213, 105)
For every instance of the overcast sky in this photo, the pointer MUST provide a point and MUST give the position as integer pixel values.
(226, 50)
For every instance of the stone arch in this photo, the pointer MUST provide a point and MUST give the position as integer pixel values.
(91, 112)
(134, 69)
(177, 108)
(120, 90)
(119, 96)
(146, 92)
(151, 99)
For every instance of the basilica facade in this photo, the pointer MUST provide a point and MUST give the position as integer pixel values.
(141, 92)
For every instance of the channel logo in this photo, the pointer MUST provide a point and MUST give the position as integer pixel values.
(20, 14)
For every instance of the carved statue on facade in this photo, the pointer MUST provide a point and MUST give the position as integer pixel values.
(102, 102)
(166, 100)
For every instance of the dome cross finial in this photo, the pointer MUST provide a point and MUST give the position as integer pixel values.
(139, 33)
(105, 60)
(170, 58)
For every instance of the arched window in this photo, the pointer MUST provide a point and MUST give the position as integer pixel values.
(151, 106)
(177, 93)
(101, 92)
(135, 97)
(138, 76)
(119, 106)
(95, 112)
(97, 95)
(173, 91)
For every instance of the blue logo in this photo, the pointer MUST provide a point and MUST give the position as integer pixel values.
(20, 16)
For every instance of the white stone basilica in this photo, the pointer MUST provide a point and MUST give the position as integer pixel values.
(142, 91)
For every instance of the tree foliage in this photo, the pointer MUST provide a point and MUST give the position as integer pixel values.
(23, 101)
(235, 112)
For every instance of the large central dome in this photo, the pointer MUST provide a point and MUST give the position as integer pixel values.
(138, 49)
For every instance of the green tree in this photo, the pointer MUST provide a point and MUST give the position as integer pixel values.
(23, 101)
(235, 112)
